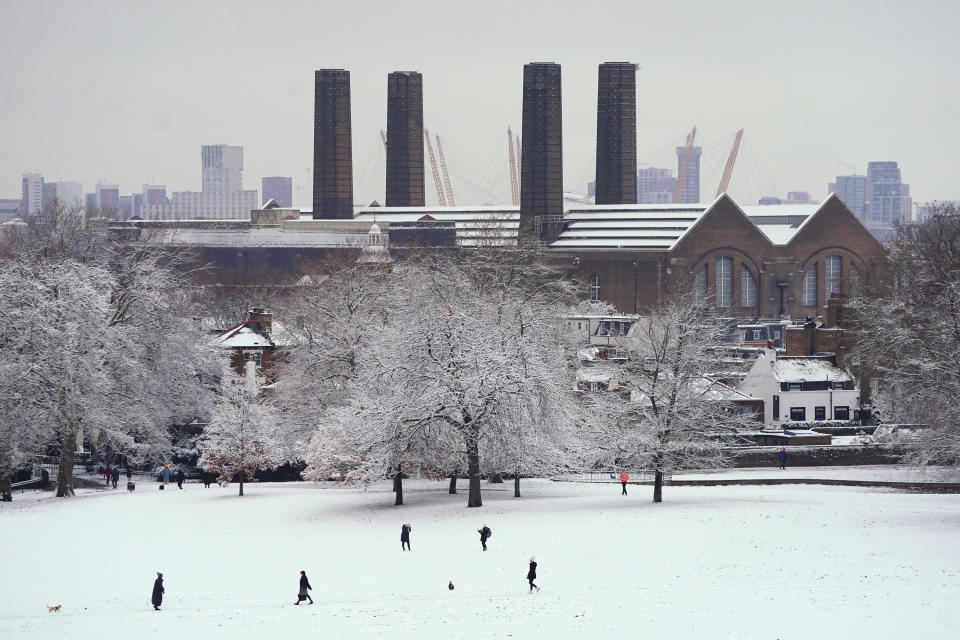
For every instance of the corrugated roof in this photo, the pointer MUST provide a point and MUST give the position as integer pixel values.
(638, 226)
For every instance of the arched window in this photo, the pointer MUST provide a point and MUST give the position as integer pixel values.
(810, 286)
(748, 288)
(833, 272)
(595, 287)
(724, 281)
(700, 283)
(854, 278)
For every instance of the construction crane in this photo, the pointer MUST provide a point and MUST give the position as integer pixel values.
(446, 176)
(514, 187)
(383, 136)
(684, 166)
(433, 167)
(728, 170)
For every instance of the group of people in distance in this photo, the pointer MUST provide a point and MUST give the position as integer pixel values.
(303, 593)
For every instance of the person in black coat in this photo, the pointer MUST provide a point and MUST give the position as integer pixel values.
(180, 478)
(116, 476)
(304, 587)
(532, 575)
(405, 536)
(158, 591)
(485, 533)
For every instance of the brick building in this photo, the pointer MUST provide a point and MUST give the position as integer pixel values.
(760, 261)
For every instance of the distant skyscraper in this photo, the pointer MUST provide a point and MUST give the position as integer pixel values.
(108, 199)
(853, 191)
(616, 133)
(223, 196)
(888, 198)
(541, 155)
(655, 186)
(405, 187)
(69, 192)
(222, 168)
(154, 204)
(90, 202)
(32, 193)
(332, 145)
(691, 187)
(277, 188)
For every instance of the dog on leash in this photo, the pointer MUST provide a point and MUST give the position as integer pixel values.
(54, 609)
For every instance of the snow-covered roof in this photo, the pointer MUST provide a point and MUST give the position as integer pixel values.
(618, 226)
(262, 237)
(808, 369)
(473, 225)
(246, 336)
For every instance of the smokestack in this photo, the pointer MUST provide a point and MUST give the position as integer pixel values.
(405, 139)
(332, 145)
(616, 133)
(541, 155)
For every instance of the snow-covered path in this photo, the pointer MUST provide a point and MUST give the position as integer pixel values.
(710, 562)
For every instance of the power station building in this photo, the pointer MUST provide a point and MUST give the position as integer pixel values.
(757, 261)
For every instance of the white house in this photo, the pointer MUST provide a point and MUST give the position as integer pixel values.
(801, 389)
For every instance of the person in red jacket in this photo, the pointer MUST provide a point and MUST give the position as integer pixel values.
(624, 478)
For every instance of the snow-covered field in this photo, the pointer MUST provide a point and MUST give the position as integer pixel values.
(710, 562)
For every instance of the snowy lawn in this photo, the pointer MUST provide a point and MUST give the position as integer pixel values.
(710, 562)
(879, 472)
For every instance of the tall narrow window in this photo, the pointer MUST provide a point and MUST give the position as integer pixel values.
(810, 286)
(700, 283)
(594, 287)
(833, 273)
(724, 281)
(748, 288)
(854, 278)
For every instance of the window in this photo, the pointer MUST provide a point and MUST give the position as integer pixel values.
(700, 283)
(776, 408)
(579, 326)
(756, 334)
(724, 281)
(819, 413)
(833, 272)
(810, 286)
(595, 287)
(748, 288)
(256, 356)
(854, 278)
(795, 386)
(776, 335)
(798, 414)
(743, 336)
(841, 413)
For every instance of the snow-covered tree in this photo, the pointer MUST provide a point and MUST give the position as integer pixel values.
(670, 411)
(908, 333)
(469, 348)
(95, 333)
(242, 435)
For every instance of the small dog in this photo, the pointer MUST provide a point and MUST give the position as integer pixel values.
(55, 609)
(450, 586)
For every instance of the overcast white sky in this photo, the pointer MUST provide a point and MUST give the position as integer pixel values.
(128, 91)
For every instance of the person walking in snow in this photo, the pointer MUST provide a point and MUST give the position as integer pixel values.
(158, 592)
(107, 474)
(180, 478)
(116, 476)
(207, 479)
(783, 457)
(405, 536)
(166, 474)
(485, 533)
(532, 575)
(304, 587)
(624, 478)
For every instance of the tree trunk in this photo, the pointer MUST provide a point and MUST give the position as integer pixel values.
(658, 486)
(241, 484)
(516, 486)
(473, 472)
(398, 486)
(68, 445)
(6, 494)
(496, 478)
(453, 483)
